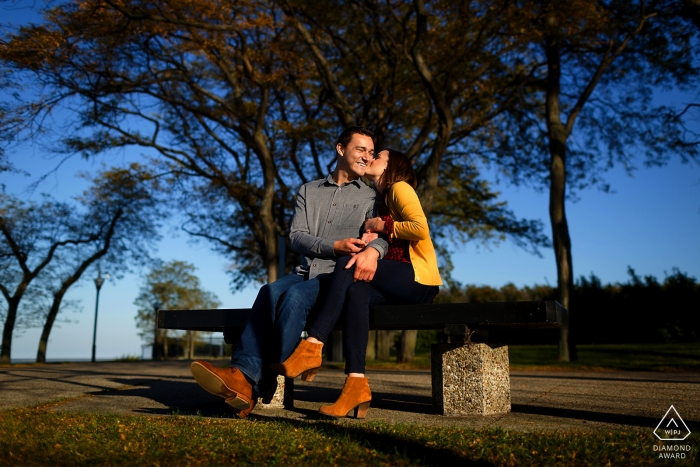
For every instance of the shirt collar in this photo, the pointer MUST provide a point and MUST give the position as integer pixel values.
(329, 180)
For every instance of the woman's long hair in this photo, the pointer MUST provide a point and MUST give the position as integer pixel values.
(398, 169)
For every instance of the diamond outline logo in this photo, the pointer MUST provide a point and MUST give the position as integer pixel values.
(669, 422)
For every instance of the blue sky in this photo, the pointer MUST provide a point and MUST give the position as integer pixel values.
(650, 222)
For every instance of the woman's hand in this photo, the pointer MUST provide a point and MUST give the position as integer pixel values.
(365, 263)
(374, 225)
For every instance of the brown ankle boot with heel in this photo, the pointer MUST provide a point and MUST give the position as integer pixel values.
(355, 395)
(305, 361)
(229, 383)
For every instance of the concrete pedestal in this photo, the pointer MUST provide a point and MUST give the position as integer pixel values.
(283, 396)
(470, 379)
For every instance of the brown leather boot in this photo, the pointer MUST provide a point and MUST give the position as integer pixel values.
(355, 395)
(244, 413)
(228, 383)
(305, 361)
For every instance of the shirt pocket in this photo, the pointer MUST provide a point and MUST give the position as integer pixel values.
(353, 216)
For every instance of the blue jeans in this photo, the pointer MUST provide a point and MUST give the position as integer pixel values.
(349, 301)
(276, 322)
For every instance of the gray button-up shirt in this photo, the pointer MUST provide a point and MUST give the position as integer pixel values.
(326, 212)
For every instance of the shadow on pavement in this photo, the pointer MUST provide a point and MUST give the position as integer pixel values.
(178, 397)
(187, 398)
(380, 400)
(615, 378)
(632, 420)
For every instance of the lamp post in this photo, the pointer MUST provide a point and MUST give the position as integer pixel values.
(99, 280)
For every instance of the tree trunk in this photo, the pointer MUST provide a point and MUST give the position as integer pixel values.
(557, 191)
(267, 219)
(371, 353)
(562, 248)
(44, 339)
(10, 320)
(190, 347)
(407, 349)
(165, 344)
(383, 345)
(51, 318)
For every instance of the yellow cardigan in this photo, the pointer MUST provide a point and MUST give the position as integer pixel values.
(411, 224)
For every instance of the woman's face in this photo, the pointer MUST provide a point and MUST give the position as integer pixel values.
(378, 165)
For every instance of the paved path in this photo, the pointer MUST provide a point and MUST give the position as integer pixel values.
(552, 400)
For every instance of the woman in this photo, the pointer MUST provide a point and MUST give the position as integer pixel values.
(407, 274)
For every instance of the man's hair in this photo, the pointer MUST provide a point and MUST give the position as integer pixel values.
(398, 169)
(345, 137)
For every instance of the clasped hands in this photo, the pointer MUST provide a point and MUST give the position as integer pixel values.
(364, 259)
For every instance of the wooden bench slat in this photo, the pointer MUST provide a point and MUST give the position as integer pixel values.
(203, 320)
(532, 315)
(542, 314)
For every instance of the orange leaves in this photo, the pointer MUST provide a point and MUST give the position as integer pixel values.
(226, 40)
(32, 47)
(573, 19)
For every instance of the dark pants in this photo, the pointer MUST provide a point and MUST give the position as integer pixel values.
(350, 301)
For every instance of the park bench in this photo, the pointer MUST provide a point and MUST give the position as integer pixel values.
(470, 372)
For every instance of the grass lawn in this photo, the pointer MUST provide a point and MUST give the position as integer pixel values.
(34, 436)
(651, 357)
(647, 357)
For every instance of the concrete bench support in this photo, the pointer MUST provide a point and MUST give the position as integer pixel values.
(282, 398)
(470, 379)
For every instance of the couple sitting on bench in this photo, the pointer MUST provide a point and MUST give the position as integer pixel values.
(328, 216)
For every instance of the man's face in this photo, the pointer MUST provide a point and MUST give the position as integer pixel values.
(356, 156)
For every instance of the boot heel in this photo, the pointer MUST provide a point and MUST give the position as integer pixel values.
(354, 399)
(361, 410)
(309, 375)
(238, 403)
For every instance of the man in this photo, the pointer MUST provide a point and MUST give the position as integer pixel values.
(328, 216)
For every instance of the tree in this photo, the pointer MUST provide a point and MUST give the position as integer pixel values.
(56, 243)
(222, 93)
(31, 235)
(595, 66)
(123, 201)
(691, 8)
(171, 286)
(436, 79)
(199, 83)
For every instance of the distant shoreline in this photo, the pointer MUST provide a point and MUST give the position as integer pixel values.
(61, 360)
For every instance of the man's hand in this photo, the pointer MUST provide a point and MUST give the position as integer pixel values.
(368, 237)
(376, 225)
(365, 264)
(348, 246)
